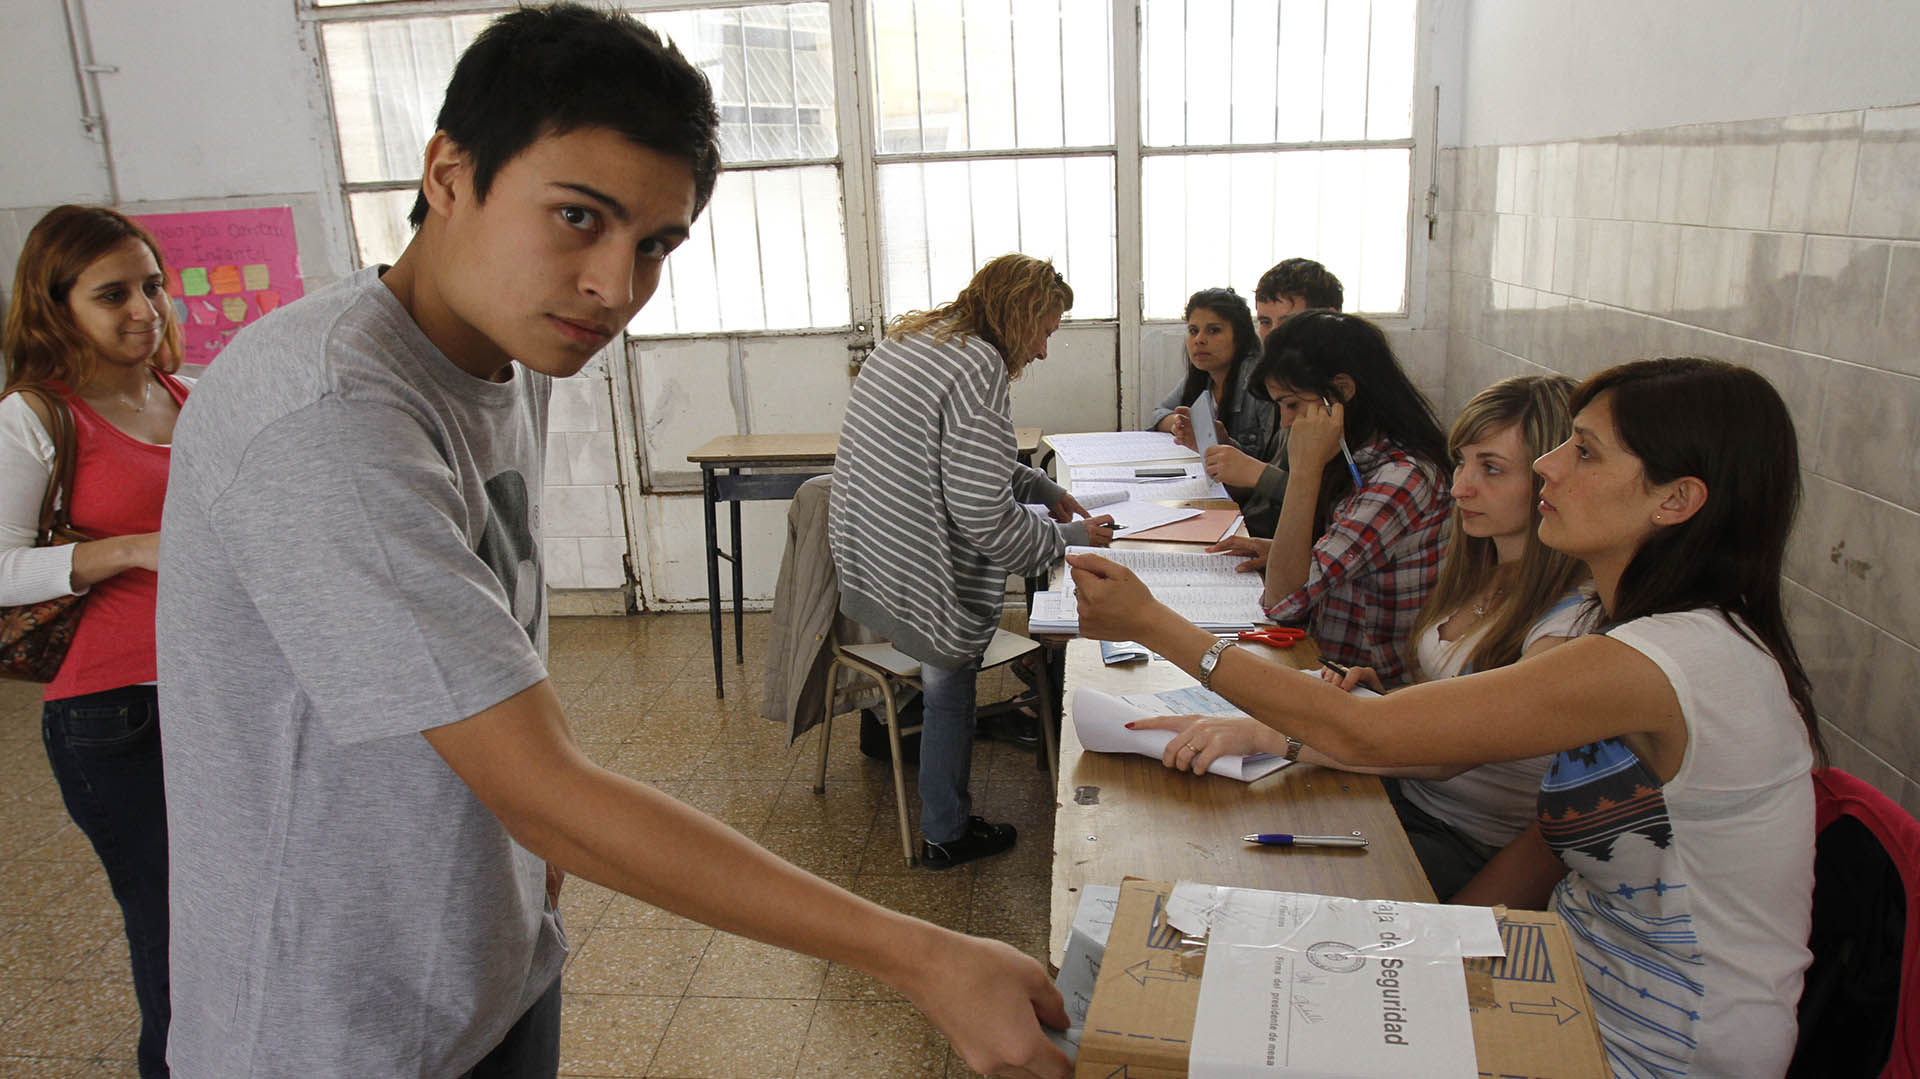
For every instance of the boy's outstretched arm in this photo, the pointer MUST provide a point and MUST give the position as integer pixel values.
(521, 762)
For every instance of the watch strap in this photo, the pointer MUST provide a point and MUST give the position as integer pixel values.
(1211, 659)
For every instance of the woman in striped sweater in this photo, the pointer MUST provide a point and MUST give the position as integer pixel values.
(926, 521)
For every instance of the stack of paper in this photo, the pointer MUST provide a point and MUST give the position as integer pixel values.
(1118, 447)
(1191, 483)
(1204, 589)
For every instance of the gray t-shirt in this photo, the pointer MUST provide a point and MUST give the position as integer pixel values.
(350, 555)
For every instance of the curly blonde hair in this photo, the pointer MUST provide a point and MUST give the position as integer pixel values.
(1005, 305)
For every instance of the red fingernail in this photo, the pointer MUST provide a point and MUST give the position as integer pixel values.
(1130, 726)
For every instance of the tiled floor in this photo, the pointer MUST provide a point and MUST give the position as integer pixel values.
(647, 993)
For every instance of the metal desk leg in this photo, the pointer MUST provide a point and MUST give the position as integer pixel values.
(707, 492)
(739, 589)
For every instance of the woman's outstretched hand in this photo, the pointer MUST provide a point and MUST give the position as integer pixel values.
(1113, 603)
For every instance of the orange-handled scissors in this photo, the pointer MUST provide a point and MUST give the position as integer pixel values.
(1277, 636)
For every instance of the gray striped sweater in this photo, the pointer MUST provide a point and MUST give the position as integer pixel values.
(926, 521)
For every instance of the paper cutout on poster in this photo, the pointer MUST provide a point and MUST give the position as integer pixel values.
(250, 259)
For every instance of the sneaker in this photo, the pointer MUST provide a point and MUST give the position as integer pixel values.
(980, 840)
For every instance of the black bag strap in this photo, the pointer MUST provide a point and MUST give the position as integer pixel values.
(55, 507)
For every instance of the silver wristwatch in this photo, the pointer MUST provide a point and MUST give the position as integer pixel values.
(1294, 746)
(1212, 659)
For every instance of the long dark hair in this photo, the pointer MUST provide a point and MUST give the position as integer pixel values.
(1727, 427)
(1246, 347)
(1309, 350)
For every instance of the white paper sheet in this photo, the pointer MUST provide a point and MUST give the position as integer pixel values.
(1201, 412)
(1131, 517)
(1323, 986)
(1100, 720)
(1118, 447)
(1190, 484)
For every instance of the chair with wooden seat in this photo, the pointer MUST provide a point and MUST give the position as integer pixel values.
(892, 669)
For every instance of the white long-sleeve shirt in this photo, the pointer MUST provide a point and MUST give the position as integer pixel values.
(28, 574)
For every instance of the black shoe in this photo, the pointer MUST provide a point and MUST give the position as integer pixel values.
(1014, 727)
(981, 839)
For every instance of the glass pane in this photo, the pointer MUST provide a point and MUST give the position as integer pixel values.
(380, 228)
(768, 254)
(1303, 28)
(388, 78)
(1223, 219)
(771, 69)
(940, 220)
(772, 74)
(1218, 72)
(1344, 101)
(944, 74)
(1390, 71)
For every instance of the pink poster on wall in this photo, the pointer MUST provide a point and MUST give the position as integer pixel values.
(226, 268)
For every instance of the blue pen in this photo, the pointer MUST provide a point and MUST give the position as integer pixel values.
(1344, 451)
(1282, 839)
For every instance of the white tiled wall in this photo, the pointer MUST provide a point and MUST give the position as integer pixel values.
(585, 530)
(1791, 245)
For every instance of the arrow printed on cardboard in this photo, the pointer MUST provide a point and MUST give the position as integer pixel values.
(1144, 971)
(1559, 1009)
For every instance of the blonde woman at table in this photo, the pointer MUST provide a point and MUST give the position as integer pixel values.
(926, 520)
(1675, 826)
(1357, 544)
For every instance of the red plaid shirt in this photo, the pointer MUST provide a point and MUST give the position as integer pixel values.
(1376, 563)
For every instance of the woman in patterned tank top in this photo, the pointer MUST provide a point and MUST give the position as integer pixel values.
(1674, 834)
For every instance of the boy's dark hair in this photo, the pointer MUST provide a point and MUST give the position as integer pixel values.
(1304, 278)
(563, 67)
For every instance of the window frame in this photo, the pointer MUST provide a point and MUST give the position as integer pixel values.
(859, 158)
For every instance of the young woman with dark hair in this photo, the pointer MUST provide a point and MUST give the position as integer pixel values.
(1357, 543)
(92, 323)
(1675, 826)
(1222, 351)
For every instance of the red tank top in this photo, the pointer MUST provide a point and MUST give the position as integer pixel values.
(119, 486)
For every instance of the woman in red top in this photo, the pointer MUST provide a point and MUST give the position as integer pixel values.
(91, 319)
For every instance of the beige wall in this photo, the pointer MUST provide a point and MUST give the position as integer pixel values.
(1791, 245)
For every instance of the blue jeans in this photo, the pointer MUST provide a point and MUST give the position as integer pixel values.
(105, 752)
(946, 750)
(531, 1049)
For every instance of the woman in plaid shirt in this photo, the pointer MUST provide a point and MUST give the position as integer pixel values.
(1357, 546)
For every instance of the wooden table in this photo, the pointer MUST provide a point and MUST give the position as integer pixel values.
(775, 467)
(1128, 815)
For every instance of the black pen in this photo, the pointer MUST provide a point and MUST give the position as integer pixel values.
(1158, 473)
(1334, 667)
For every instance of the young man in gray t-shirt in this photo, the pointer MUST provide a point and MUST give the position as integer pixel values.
(371, 785)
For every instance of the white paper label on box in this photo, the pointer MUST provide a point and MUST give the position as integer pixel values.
(1323, 986)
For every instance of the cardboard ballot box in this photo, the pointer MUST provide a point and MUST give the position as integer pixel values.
(1530, 1013)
